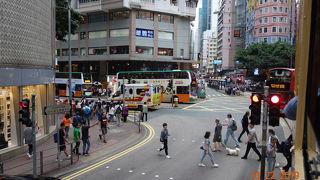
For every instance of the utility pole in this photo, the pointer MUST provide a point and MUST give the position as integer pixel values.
(264, 132)
(34, 159)
(69, 57)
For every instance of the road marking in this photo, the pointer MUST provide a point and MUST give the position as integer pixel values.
(156, 176)
(130, 171)
(118, 155)
(118, 169)
(171, 178)
(197, 103)
(143, 173)
(107, 167)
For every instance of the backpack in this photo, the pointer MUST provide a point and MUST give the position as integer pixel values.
(55, 137)
(86, 110)
(234, 126)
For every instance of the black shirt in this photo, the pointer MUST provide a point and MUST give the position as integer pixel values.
(245, 121)
(62, 134)
(85, 132)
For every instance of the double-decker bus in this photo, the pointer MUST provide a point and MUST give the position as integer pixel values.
(81, 84)
(281, 80)
(182, 83)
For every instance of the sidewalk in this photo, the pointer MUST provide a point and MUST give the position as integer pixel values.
(119, 137)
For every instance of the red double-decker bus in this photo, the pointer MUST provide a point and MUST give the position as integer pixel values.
(281, 80)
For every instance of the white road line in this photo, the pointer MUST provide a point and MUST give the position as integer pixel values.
(118, 169)
(143, 173)
(107, 167)
(156, 176)
(130, 171)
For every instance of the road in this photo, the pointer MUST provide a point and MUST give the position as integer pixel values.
(187, 125)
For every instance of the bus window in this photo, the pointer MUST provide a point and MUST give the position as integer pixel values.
(182, 89)
(130, 91)
(158, 90)
(78, 87)
(140, 91)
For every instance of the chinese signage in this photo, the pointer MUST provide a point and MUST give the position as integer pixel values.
(236, 33)
(144, 33)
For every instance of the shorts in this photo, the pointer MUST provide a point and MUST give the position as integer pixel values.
(62, 147)
(217, 139)
(104, 130)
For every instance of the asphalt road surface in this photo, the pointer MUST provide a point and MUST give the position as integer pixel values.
(187, 125)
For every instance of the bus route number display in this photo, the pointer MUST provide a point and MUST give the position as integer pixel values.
(278, 86)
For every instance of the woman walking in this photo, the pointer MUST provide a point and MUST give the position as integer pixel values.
(207, 151)
(245, 123)
(67, 121)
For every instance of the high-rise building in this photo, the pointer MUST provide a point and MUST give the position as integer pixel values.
(205, 15)
(123, 35)
(212, 52)
(271, 21)
(27, 36)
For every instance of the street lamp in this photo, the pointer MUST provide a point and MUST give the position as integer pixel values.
(69, 56)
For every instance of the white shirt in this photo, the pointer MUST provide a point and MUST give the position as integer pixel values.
(252, 132)
(111, 111)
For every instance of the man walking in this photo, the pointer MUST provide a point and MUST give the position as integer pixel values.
(145, 112)
(85, 138)
(62, 141)
(28, 137)
(86, 113)
(76, 138)
(232, 126)
(245, 123)
(251, 143)
(164, 139)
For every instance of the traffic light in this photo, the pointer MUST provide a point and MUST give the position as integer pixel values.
(274, 109)
(25, 112)
(255, 108)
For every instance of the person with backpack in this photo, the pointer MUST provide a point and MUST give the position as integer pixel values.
(125, 113)
(207, 151)
(231, 128)
(62, 141)
(164, 139)
(251, 143)
(244, 123)
(76, 138)
(77, 120)
(86, 113)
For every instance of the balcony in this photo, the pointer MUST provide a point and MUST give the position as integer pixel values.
(87, 6)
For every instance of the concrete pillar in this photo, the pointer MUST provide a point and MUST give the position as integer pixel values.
(155, 35)
(132, 33)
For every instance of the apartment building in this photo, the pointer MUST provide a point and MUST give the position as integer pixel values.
(126, 35)
(273, 21)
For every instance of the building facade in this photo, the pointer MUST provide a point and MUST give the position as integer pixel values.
(27, 31)
(126, 35)
(273, 21)
(212, 53)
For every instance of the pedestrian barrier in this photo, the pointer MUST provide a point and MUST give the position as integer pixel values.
(46, 162)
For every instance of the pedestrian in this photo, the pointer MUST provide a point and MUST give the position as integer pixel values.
(99, 111)
(207, 151)
(104, 128)
(164, 139)
(77, 119)
(271, 134)
(62, 141)
(125, 113)
(271, 156)
(251, 142)
(76, 139)
(85, 138)
(287, 145)
(28, 138)
(86, 113)
(145, 112)
(244, 123)
(232, 126)
(111, 113)
(67, 121)
(217, 136)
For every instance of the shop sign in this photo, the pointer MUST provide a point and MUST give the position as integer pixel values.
(144, 33)
(56, 109)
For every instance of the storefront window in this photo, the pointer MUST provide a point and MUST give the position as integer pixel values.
(144, 50)
(97, 34)
(65, 52)
(6, 118)
(74, 52)
(165, 52)
(98, 51)
(57, 52)
(119, 15)
(119, 32)
(166, 18)
(146, 15)
(119, 50)
(83, 52)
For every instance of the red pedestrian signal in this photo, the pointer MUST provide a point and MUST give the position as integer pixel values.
(25, 112)
(274, 110)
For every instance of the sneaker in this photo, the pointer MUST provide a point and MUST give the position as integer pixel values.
(215, 165)
(104, 141)
(201, 165)
(244, 157)
(29, 155)
(100, 136)
(168, 157)
(239, 141)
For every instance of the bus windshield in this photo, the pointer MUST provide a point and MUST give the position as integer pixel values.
(279, 76)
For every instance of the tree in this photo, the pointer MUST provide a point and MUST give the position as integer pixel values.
(265, 56)
(62, 19)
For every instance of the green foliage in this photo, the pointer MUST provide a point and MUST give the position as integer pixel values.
(62, 19)
(265, 56)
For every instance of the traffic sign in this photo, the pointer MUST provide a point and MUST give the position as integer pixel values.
(56, 109)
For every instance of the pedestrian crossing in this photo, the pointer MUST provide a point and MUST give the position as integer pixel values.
(216, 95)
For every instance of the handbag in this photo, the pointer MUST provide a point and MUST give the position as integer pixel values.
(201, 147)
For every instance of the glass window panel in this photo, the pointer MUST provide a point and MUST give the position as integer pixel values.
(146, 15)
(165, 52)
(166, 18)
(119, 50)
(97, 51)
(144, 50)
(94, 18)
(97, 34)
(119, 15)
(165, 35)
(119, 33)
(83, 51)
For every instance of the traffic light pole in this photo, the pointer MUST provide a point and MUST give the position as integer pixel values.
(34, 160)
(264, 133)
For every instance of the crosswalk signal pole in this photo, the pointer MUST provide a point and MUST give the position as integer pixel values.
(264, 133)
